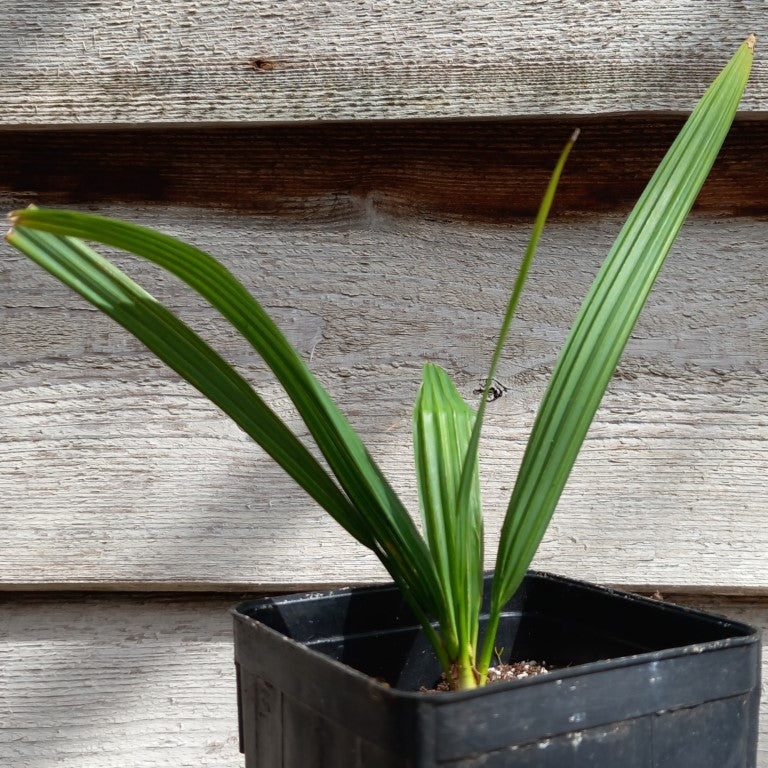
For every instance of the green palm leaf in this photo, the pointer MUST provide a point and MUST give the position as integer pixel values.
(373, 514)
(442, 427)
(446, 442)
(94, 278)
(604, 324)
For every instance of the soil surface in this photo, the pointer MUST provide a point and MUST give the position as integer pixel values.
(517, 670)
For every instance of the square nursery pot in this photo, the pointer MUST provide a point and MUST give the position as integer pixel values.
(332, 679)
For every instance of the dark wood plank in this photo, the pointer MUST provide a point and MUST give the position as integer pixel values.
(491, 170)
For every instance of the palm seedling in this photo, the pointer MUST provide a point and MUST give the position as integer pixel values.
(439, 573)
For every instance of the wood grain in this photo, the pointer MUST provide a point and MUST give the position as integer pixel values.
(113, 474)
(117, 683)
(488, 170)
(134, 61)
(126, 682)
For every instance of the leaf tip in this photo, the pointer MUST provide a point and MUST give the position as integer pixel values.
(13, 220)
(751, 42)
(574, 135)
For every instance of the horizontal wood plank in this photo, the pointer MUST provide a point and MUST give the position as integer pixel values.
(475, 169)
(117, 683)
(110, 682)
(113, 474)
(134, 61)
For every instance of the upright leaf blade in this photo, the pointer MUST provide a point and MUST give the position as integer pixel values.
(471, 460)
(442, 427)
(605, 323)
(446, 440)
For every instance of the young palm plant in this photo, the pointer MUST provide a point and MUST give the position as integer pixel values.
(439, 573)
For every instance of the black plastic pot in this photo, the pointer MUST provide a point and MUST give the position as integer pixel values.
(331, 679)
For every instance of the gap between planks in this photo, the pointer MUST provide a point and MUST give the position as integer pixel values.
(240, 591)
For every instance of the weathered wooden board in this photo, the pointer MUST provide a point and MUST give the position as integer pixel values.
(114, 474)
(118, 681)
(133, 61)
(479, 169)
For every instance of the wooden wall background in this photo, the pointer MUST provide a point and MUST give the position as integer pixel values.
(369, 170)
